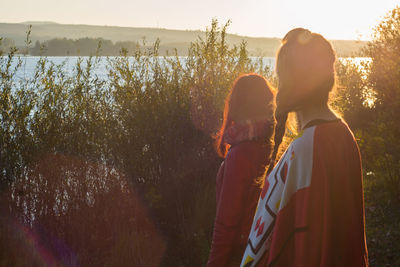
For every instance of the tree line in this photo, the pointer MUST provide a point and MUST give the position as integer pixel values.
(97, 46)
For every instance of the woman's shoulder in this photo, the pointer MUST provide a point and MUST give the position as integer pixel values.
(331, 133)
(324, 131)
(327, 140)
(335, 134)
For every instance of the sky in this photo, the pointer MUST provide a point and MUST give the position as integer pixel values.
(340, 19)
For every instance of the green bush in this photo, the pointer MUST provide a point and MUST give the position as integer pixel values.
(369, 99)
(78, 152)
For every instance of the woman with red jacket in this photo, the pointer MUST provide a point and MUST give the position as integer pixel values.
(244, 140)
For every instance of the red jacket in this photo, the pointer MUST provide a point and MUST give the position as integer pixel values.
(237, 195)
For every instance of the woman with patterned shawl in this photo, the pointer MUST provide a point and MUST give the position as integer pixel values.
(311, 208)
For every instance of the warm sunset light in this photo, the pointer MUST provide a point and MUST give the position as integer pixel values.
(340, 19)
(213, 133)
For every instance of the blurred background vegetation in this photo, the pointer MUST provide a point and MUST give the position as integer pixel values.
(121, 171)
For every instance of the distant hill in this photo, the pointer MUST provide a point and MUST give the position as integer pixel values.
(180, 39)
(38, 22)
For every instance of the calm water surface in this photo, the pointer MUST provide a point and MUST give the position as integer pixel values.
(30, 63)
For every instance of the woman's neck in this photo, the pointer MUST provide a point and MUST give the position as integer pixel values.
(307, 114)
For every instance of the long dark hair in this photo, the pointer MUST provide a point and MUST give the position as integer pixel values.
(250, 97)
(306, 75)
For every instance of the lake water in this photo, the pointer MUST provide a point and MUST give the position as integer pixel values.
(30, 62)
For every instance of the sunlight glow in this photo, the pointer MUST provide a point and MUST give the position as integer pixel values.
(340, 19)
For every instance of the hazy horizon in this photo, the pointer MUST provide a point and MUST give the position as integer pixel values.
(339, 20)
(33, 23)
